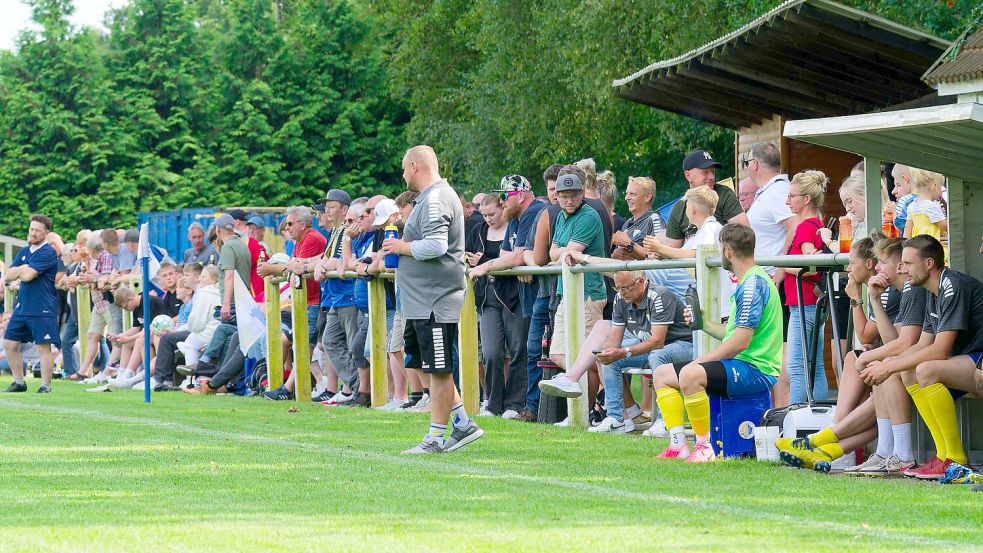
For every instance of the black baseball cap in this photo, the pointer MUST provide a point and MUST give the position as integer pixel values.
(238, 214)
(699, 159)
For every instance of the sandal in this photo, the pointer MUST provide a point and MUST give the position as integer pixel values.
(77, 377)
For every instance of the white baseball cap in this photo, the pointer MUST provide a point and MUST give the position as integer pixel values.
(383, 210)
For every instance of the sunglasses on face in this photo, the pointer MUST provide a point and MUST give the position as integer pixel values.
(506, 195)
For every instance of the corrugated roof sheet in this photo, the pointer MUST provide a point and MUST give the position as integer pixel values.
(963, 62)
(803, 59)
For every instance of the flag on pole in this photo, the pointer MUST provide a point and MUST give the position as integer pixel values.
(250, 316)
(153, 255)
(148, 263)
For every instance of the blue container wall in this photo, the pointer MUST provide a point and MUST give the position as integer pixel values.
(169, 229)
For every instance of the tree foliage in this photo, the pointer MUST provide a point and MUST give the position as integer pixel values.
(190, 103)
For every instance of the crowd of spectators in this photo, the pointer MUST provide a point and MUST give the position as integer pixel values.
(919, 336)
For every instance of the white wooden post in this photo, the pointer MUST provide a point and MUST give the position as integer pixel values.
(574, 314)
(708, 287)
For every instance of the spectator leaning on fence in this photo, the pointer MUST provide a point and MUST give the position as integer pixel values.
(522, 210)
(628, 243)
(700, 169)
(200, 251)
(771, 218)
(578, 228)
(35, 317)
(747, 361)
(431, 277)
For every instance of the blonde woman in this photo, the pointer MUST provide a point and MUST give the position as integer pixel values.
(806, 194)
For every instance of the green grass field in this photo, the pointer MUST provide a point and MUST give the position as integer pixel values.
(105, 472)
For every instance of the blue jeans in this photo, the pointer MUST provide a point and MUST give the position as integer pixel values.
(796, 363)
(614, 391)
(534, 350)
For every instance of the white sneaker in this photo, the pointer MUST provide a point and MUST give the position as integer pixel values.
(119, 384)
(392, 405)
(103, 388)
(560, 386)
(340, 397)
(422, 404)
(563, 424)
(657, 430)
(102, 377)
(484, 412)
(124, 374)
(614, 426)
(510, 414)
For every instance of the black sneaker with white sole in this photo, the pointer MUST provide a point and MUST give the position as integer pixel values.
(463, 436)
(44, 389)
(325, 396)
(279, 394)
(15, 387)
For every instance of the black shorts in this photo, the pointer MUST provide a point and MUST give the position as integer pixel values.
(716, 376)
(430, 345)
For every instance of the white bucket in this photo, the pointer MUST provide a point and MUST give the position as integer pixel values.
(764, 443)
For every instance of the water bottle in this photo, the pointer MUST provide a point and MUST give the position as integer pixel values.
(392, 259)
(693, 303)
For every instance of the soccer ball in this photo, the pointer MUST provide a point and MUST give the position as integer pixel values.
(161, 324)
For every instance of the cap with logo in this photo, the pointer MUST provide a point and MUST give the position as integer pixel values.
(337, 195)
(514, 183)
(568, 182)
(238, 214)
(225, 222)
(699, 159)
(383, 211)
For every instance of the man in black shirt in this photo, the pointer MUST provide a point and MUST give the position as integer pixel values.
(132, 340)
(942, 366)
(700, 169)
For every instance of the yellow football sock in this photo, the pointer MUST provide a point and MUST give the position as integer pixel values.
(671, 406)
(698, 409)
(833, 450)
(944, 408)
(921, 403)
(823, 437)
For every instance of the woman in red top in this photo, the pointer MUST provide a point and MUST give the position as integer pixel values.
(805, 198)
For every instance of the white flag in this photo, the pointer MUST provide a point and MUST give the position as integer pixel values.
(153, 254)
(250, 316)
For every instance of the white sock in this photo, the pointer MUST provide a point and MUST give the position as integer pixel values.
(677, 437)
(902, 441)
(633, 411)
(885, 438)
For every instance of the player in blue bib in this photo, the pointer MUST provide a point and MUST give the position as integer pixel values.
(35, 317)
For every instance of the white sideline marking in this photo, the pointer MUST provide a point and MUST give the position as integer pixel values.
(593, 489)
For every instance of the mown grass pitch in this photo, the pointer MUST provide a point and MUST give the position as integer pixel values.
(104, 472)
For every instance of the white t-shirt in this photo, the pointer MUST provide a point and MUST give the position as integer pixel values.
(766, 215)
(931, 208)
(709, 234)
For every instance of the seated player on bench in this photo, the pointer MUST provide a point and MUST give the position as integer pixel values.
(747, 361)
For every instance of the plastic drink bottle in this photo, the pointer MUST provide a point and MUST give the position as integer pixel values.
(692, 300)
(392, 259)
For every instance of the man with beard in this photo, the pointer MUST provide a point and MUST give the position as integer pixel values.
(945, 362)
(35, 317)
(521, 211)
(747, 361)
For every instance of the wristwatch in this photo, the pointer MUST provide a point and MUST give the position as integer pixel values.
(627, 353)
(855, 303)
(630, 246)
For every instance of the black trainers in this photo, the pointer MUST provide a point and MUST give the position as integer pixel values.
(15, 387)
(203, 368)
(463, 436)
(278, 394)
(166, 386)
(325, 396)
(44, 389)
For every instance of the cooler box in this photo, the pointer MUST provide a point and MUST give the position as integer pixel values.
(732, 422)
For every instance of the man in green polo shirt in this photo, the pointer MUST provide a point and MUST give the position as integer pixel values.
(700, 169)
(578, 228)
(747, 361)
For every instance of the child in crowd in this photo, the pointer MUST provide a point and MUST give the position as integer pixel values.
(926, 214)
